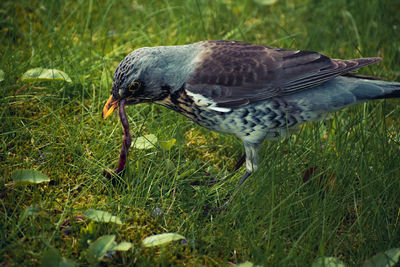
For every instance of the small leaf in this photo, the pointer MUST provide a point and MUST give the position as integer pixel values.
(145, 142)
(42, 74)
(99, 248)
(29, 176)
(101, 216)
(265, 2)
(384, 259)
(161, 239)
(246, 264)
(167, 145)
(123, 246)
(52, 258)
(328, 262)
(1, 75)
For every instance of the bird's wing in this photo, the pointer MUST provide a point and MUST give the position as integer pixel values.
(232, 74)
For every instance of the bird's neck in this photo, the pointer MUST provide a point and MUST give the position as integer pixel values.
(178, 63)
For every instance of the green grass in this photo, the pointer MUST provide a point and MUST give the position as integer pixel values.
(349, 208)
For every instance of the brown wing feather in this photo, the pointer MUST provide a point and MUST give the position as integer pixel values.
(234, 74)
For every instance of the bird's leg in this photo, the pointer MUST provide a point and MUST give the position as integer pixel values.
(251, 150)
(251, 165)
(126, 143)
(251, 159)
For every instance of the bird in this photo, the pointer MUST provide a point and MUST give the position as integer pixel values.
(252, 91)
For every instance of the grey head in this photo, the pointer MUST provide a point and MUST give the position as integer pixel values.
(150, 73)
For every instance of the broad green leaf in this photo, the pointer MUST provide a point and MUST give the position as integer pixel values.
(161, 239)
(265, 2)
(384, 259)
(42, 74)
(1, 75)
(29, 176)
(145, 142)
(123, 246)
(167, 145)
(328, 262)
(101, 216)
(53, 258)
(99, 248)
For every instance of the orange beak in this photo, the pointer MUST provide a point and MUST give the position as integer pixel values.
(109, 106)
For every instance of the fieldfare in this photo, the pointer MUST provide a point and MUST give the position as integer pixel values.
(251, 91)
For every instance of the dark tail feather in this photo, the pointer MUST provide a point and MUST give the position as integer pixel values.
(370, 89)
(393, 94)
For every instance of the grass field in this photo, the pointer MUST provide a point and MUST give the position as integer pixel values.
(285, 214)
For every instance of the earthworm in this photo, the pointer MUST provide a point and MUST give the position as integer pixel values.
(126, 143)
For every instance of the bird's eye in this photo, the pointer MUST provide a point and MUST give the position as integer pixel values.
(134, 86)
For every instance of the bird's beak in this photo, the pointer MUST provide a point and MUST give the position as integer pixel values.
(109, 107)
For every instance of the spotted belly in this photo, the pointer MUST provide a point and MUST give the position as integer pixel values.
(268, 119)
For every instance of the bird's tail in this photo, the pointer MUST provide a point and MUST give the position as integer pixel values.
(342, 92)
(392, 90)
(368, 89)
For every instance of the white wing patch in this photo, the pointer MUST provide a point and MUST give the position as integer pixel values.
(205, 102)
(219, 109)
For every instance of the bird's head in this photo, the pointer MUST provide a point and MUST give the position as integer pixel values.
(150, 74)
(137, 79)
